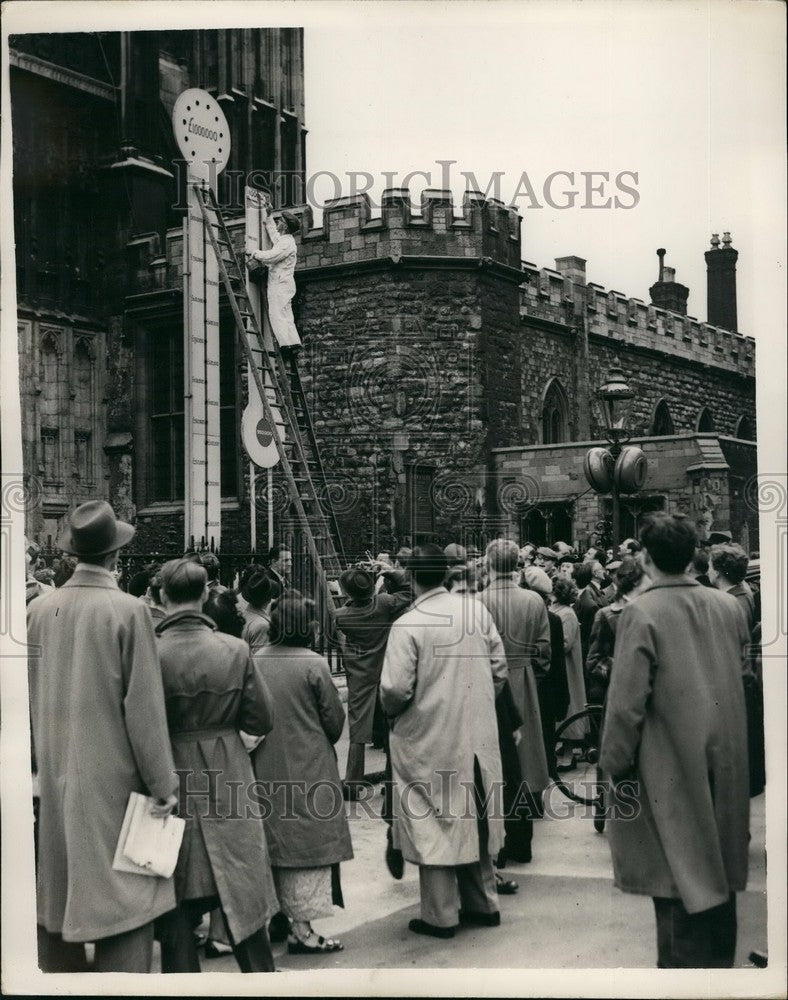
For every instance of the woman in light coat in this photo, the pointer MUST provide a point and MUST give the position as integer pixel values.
(564, 596)
(308, 833)
(281, 261)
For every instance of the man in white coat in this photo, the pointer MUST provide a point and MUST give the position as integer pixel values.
(281, 261)
(443, 662)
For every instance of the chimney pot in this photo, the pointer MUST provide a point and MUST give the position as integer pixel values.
(666, 292)
(721, 283)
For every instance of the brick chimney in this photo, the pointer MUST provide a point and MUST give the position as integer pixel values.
(572, 267)
(666, 292)
(721, 282)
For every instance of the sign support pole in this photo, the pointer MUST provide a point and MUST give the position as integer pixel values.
(270, 508)
(252, 505)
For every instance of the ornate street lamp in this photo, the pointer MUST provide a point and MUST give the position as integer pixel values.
(618, 469)
(614, 396)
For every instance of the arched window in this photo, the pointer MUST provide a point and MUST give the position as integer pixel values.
(705, 420)
(662, 424)
(744, 429)
(555, 414)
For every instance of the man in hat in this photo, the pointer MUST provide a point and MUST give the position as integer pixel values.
(364, 622)
(281, 261)
(547, 558)
(100, 733)
(565, 566)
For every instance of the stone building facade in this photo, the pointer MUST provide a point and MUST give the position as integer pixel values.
(451, 385)
(95, 166)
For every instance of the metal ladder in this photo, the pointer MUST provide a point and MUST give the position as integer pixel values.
(300, 465)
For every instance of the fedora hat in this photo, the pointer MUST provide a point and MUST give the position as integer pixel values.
(93, 530)
(357, 583)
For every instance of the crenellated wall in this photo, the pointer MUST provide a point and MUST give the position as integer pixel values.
(629, 322)
(428, 345)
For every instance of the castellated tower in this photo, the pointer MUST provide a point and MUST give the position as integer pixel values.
(410, 325)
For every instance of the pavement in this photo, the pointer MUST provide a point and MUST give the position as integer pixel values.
(567, 913)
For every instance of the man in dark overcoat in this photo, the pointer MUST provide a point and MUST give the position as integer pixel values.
(675, 727)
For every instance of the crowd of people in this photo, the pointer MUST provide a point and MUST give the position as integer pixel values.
(462, 665)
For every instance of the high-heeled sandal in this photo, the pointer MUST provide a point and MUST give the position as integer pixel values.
(323, 946)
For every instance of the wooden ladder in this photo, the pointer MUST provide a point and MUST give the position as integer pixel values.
(298, 454)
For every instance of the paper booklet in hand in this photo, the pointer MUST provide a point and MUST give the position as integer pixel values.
(148, 845)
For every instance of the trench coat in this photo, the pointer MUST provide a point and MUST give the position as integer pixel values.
(256, 627)
(366, 627)
(574, 670)
(100, 733)
(521, 619)
(280, 261)
(212, 690)
(444, 664)
(306, 823)
(675, 722)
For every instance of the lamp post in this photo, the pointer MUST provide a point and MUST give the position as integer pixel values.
(614, 395)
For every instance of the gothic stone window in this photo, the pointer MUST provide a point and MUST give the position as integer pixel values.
(166, 412)
(50, 456)
(744, 429)
(547, 524)
(555, 413)
(421, 512)
(84, 408)
(83, 457)
(166, 454)
(662, 424)
(705, 420)
(50, 375)
(633, 510)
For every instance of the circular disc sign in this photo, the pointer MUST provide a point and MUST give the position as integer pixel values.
(201, 131)
(258, 435)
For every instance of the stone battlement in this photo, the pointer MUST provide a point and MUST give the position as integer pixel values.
(485, 228)
(549, 295)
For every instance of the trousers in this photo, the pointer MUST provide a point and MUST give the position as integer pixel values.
(705, 940)
(129, 952)
(443, 888)
(179, 948)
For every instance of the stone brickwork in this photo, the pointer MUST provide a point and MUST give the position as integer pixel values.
(427, 346)
(701, 475)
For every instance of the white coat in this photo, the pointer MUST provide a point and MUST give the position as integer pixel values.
(443, 660)
(280, 261)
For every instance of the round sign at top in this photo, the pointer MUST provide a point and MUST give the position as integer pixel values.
(202, 132)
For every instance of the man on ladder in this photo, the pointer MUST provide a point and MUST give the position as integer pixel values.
(280, 261)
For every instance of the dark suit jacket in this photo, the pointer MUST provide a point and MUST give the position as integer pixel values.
(586, 607)
(554, 688)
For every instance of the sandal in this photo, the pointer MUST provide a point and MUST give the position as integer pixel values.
(505, 887)
(323, 946)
